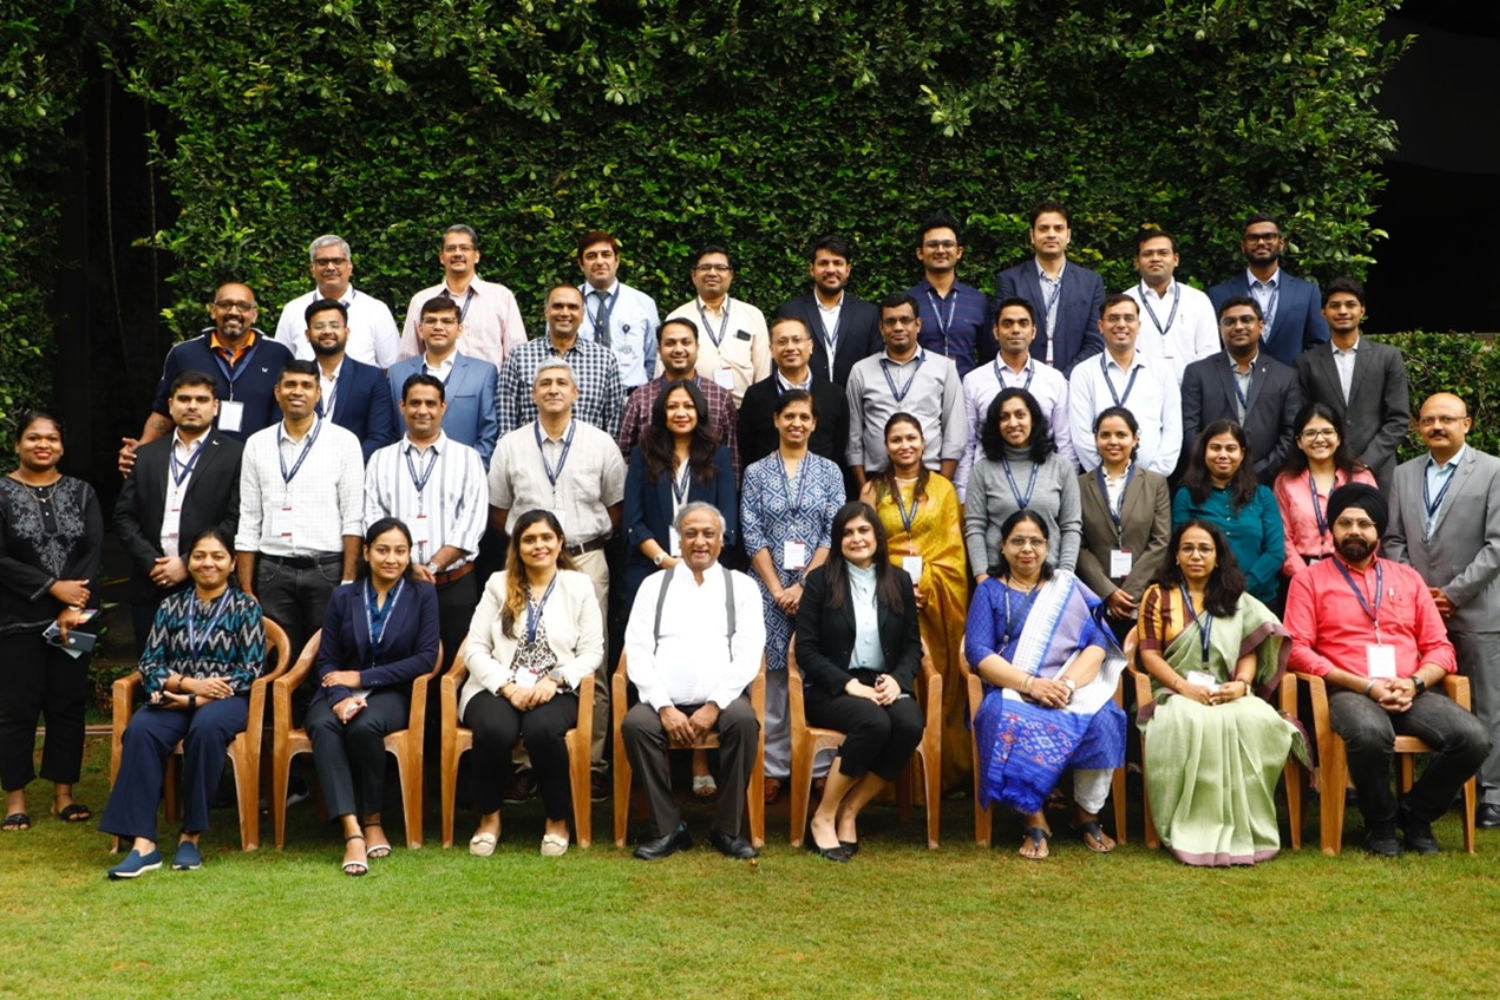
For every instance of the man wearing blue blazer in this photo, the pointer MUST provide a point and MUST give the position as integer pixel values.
(468, 383)
(844, 329)
(1066, 298)
(356, 396)
(1290, 306)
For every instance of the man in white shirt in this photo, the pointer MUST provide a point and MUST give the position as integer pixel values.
(1015, 368)
(734, 347)
(694, 643)
(372, 328)
(488, 311)
(301, 508)
(622, 318)
(1121, 376)
(436, 486)
(1180, 326)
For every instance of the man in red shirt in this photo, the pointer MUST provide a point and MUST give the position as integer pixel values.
(1370, 629)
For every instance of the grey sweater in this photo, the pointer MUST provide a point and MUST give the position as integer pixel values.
(990, 500)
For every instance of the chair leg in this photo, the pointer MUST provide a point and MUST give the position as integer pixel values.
(448, 791)
(1407, 763)
(1148, 832)
(622, 791)
(1293, 778)
(583, 806)
(247, 793)
(756, 794)
(983, 817)
(1334, 765)
(1117, 792)
(170, 789)
(281, 771)
(409, 767)
(1471, 793)
(932, 776)
(801, 790)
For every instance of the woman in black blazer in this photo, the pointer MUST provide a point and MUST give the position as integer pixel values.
(379, 634)
(859, 648)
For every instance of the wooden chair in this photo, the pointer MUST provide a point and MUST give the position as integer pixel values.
(755, 795)
(1333, 761)
(244, 750)
(1292, 771)
(808, 741)
(458, 740)
(984, 820)
(405, 744)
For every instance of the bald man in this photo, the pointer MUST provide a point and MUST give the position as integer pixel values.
(1445, 523)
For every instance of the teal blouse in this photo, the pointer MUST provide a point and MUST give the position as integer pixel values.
(1254, 533)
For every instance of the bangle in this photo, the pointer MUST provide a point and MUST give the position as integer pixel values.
(1370, 686)
(1028, 684)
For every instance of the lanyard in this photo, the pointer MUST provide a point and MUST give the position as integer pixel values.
(937, 311)
(1364, 603)
(907, 516)
(232, 375)
(1010, 617)
(900, 394)
(1129, 385)
(1432, 504)
(1234, 380)
(1000, 375)
(312, 439)
(1116, 511)
(1268, 308)
(1146, 301)
(420, 482)
(181, 470)
(463, 310)
(717, 338)
(377, 632)
(1317, 503)
(534, 609)
(554, 474)
(801, 480)
(1205, 621)
(195, 642)
(681, 483)
(1021, 501)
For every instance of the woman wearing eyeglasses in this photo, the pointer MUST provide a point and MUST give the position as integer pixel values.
(1321, 464)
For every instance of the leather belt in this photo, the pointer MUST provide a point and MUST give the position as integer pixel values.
(586, 547)
(304, 562)
(454, 574)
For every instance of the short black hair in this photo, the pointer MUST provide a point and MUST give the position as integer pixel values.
(324, 305)
(1015, 300)
(298, 367)
(676, 321)
(422, 378)
(1146, 235)
(895, 300)
(1258, 217)
(939, 220)
(709, 248)
(191, 378)
(1050, 206)
(1240, 300)
(1348, 286)
(835, 245)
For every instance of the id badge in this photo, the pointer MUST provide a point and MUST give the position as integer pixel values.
(1199, 678)
(793, 555)
(1120, 562)
(231, 415)
(421, 528)
(674, 543)
(562, 519)
(525, 679)
(1380, 662)
(913, 567)
(281, 521)
(724, 377)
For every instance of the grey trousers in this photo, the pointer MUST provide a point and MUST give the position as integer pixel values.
(646, 746)
(1479, 661)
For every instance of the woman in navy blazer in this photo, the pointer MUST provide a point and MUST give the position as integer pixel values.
(380, 633)
(859, 647)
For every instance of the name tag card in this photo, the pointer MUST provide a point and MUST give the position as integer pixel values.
(421, 531)
(724, 377)
(794, 555)
(281, 521)
(231, 415)
(562, 519)
(1204, 680)
(913, 567)
(674, 543)
(1120, 562)
(1380, 662)
(525, 679)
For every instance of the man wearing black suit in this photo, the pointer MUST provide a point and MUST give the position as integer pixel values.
(357, 394)
(841, 326)
(1066, 298)
(790, 348)
(180, 486)
(1360, 380)
(1245, 384)
(1288, 305)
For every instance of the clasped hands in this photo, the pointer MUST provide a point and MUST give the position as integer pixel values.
(1048, 692)
(1205, 696)
(789, 599)
(1394, 694)
(884, 692)
(525, 698)
(685, 730)
(192, 691)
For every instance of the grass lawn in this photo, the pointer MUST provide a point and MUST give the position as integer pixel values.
(899, 921)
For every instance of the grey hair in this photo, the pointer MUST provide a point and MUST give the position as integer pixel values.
(468, 231)
(693, 508)
(328, 241)
(554, 362)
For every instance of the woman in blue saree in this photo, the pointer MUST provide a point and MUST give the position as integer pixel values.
(1050, 667)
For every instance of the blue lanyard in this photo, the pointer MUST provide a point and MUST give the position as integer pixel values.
(1021, 501)
(1269, 309)
(1364, 603)
(186, 469)
(553, 474)
(937, 312)
(1317, 503)
(1146, 301)
(463, 310)
(312, 439)
(681, 483)
(1205, 621)
(1000, 375)
(1052, 301)
(717, 338)
(1434, 505)
(907, 516)
(1116, 511)
(195, 643)
(885, 370)
(1010, 617)
(1129, 385)
(1234, 380)
(796, 501)
(232, 375)
(607, 309)
(376, 620)
(420, 482)
(534, 610)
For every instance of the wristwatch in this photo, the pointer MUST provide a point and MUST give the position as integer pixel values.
(1418, 685)
(659, 558)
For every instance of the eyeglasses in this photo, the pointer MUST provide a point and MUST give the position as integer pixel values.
(1262, 237)
(330, 325)
(940, 244)
(1442, 420)
(229, 305)
(1362, 523)
(331, 261)
(1033, 542)
(458, 248)
(713, 268)
(439, 320)
(1321, 432)
(1232, 321)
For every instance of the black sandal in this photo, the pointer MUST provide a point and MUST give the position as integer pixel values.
(1037, 838)
(15, 823)
(1094, 830)
(73, 812)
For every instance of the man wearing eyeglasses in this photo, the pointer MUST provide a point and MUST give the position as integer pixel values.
(1445, 523)
(1377, 417)
(488, 311)
(1288, 305)
(1245, 384)
(734, 347)
(956, 318)
(1065, 297)
(372, 334)
(1180, 324)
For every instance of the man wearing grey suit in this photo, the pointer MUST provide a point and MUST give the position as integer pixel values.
(1445, 523)
(1360, 380)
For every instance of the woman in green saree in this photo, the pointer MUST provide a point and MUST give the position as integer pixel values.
(1215, 750)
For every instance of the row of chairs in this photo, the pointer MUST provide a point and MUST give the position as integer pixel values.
(246, 756)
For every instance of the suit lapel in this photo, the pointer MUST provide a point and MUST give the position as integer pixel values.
(1258, 376)
(1330, 372)
(210, 456)
(1362, 362)
(1460, 482)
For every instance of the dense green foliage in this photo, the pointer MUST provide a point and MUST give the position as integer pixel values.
(764, 122)
(1450, 362)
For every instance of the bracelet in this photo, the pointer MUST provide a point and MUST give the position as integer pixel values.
(192, 702)
(1028, 684)
(1369, 687)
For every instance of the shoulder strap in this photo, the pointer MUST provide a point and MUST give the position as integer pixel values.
(661, 602)
(729, 607)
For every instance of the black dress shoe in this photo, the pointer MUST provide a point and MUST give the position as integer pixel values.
(665, 846)
(732, 847)
(851, 847)
(839, 854)
(1487, 815)
(1381, 841)
(1419, 836)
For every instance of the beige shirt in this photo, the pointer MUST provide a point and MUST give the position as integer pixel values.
(590, 481)
(742, 356)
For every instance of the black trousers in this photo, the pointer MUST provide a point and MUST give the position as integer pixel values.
(456, 603)
(877, 738)
(346, 752)
(40, 680)
(497, 725)
(646, 745)
(296, 598)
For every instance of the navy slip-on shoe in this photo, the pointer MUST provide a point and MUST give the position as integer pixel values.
(188, 858)
(135, 865)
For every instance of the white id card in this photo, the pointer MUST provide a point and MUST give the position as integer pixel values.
(913, 567)
(281, 521)
(1120, 562)
(231, 415)
(674, 543)
(1204, 680)
(421, 531)
(562, 519)
(725, 378)
(525, 679)
(1380, 662)
(793, 555)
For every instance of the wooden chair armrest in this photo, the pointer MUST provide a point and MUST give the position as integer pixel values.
(417, 722)
(281, 649)
(1289, 694)
(585, 723)
(796, 703)
(618, 686)
(448, 690)
(283, 686)
(1456, 686)
(931, 682)
(976, 692)
(123, 694)
(758, 693)
(1318, 689)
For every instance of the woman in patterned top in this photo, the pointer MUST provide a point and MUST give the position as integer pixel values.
(51, 538)
(206, 646)
(537, 633)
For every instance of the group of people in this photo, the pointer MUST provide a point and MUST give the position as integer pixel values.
(983, 481)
